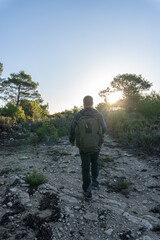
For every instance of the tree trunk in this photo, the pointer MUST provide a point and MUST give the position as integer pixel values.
(18, 96)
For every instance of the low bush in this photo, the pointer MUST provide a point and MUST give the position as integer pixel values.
(133, 130)
(5, 122)
(63, 131)
(122, 184)
(15, 112)
(32, 139)
(5, 171)
(35, 179)
(149, 106)
(122, 187)
(62, 124)
(46, 132)
(108, 159)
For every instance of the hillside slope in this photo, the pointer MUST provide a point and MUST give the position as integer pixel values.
(126, 207)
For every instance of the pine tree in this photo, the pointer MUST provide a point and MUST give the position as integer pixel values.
(19, 87)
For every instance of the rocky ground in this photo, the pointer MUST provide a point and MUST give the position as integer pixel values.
(126, 207)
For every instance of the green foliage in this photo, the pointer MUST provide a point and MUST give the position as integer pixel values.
(63, 125)
(75, 110)
(5, 171)
(63, 122)
(19, 115)
(105, 93)
(115, 120)
(103, 160)
(123, 187)
(47, 132)
(32, 139)
(149, 105)
(29, 110)
(35, 179)
(68, 114)
(13, 111)
(5, 122)
(133, 130)
(63, 131)
(142, 155)
(31, 126)
(45, 111)
(122, 184)
(131, 86)
(103, 108)
(18, 87)
(108, 159)
(34, 111)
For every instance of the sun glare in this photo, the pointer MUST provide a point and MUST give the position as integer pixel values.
(114, 97)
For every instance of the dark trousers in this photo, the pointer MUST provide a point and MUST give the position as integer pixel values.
(90, 170)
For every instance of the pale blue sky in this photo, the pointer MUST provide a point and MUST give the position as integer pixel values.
(74, 48)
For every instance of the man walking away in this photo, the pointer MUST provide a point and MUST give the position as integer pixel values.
(87, 130)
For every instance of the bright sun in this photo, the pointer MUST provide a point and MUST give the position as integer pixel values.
(114, 97)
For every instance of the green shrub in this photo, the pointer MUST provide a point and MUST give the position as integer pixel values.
(19, 115)
(5, 122)
(115, 120)
(32, 126)
(122, 184)
(62, 131)
(133, 130)
(103, 108)
(35, 179)
(122, 187)
(61, 123)
(34, 111)
(5, 171)
(149, 105)
(108, 159)
(15, 112)
(142, 155)
(33, 139)
(47, 132)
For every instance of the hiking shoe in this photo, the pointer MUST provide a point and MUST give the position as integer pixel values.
(88, 196)
(96, 187)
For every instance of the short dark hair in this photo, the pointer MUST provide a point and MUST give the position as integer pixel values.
(88, 101)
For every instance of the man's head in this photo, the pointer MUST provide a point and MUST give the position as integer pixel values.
(88, 101)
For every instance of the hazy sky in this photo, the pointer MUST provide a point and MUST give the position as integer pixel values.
(74, 48)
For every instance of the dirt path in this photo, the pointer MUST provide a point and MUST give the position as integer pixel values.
(126, 207)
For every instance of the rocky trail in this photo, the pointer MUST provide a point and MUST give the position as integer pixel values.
(126, 207)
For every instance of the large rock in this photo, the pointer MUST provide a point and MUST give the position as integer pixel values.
(24, 196)
(139, 221)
